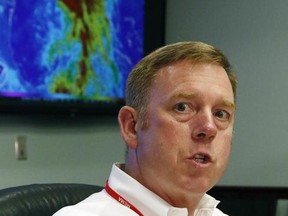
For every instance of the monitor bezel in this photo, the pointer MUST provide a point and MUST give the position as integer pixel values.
(154, 37)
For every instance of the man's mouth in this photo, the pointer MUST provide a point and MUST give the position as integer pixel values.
(201, 158)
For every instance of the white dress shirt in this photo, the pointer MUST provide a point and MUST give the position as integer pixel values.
(148, 203)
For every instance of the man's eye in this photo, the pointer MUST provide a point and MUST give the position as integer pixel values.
(222, 114)
(181, 107)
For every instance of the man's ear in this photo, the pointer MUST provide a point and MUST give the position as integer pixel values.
(127, 119)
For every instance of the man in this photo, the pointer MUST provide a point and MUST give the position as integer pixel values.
(177, 124)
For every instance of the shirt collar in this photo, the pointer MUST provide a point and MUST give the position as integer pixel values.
(147, 201)
(206, 205)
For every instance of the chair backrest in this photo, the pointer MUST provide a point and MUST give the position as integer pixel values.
(42, 199)
(249, 201)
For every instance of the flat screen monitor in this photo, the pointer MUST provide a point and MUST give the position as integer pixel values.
(73, 56)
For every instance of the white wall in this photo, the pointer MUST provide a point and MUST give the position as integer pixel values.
(59, 150)
(254, 35)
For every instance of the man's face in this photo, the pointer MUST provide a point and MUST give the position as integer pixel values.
(186, 144)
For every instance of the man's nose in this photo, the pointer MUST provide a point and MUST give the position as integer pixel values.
(204, 128)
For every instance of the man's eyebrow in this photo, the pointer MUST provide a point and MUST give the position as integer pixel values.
(190, 96)
(184, 95)
(228, 103)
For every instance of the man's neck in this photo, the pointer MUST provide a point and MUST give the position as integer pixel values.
(173, 196)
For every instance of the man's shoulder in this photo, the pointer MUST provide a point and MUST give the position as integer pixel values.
(94, 202)
(218, 212)
(98, 204)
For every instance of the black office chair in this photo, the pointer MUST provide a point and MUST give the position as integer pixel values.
(248, 201)
(42, 199)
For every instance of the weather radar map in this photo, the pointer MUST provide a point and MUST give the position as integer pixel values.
(68, 49)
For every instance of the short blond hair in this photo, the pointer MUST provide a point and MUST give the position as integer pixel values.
(140, 80)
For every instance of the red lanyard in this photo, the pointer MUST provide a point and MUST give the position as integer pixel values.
(120, 199)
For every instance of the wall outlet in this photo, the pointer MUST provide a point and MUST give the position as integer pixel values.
(21, 147)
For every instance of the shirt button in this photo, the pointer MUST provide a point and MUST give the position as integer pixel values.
(172, 213)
